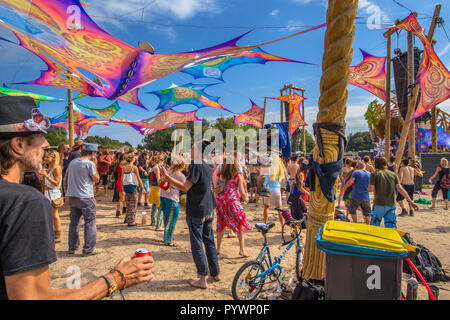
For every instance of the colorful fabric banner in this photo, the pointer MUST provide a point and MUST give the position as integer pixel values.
(107, 112)
(424, 136)
(215, 68)
(70, 42)
(6, 91)
(186, 94)
(254, 116)
(432, 77)
(370, 75)
(295, 118)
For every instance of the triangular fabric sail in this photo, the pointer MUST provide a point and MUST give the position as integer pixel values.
(107, 112)
(254, 116)
(432, 77)
(6, 91)
(295, 118)
(370, 75)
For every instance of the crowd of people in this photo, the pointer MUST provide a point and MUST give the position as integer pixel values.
(158, 181)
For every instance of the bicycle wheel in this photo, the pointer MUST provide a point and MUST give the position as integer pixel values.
(287, 233)
(299, 263)
(242, 288)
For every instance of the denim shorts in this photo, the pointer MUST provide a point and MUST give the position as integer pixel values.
(386, 212)
(146, 186)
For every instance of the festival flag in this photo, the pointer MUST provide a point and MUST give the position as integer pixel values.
(432, 77)
(215, 68)
(186, 94)
(107, 112)
(70, 45)
(254, 116)
(370, 75)
(295, 118)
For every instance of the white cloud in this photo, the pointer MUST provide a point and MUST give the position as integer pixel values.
(275, 12)
(444, 51)
(293, 24)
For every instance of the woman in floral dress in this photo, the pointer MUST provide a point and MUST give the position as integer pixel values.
(230, 212)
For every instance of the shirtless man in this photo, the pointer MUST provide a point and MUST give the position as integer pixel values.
(369, 167)
(292, 171)
(406, 175)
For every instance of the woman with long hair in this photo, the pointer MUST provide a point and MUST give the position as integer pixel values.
(441, 172)
(130, 183)
(230, 212)
(155, 191)
(118, 196)
(273, 183)
(52, 188)
(170, 201)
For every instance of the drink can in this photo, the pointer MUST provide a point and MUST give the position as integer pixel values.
(141, 252)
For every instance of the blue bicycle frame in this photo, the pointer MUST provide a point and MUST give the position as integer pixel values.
(265, 254)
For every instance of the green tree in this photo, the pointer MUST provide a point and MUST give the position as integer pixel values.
(297, 141)
(57, 137)
(107, 142)
(359, 141)
(160, 140)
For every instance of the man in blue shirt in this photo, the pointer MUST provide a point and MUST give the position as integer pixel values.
(360, 193)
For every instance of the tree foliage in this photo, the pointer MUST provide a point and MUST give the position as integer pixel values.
(107, 142)
(359, 141)
(57, 137)
(297, 141)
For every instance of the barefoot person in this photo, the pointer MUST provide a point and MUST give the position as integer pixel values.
(52, 188)
(441, 171)
(27, 242)
(406, 175)
(230, 212)
(200, 205)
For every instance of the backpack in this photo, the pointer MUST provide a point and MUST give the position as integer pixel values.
(428, 265)
(340, 216)
(306, 290)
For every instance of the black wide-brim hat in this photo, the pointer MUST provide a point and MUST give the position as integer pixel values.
(19, 117)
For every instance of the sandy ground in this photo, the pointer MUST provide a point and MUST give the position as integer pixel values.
(174, 266)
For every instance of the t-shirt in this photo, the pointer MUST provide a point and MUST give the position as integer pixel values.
(272, 185)
(200, 200)
(26, 231)
(360, 189)
(385, 182)
(173, 193)
(80, 184)
(142, 164)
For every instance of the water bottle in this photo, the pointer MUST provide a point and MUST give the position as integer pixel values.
(282, 275)
(411, 290)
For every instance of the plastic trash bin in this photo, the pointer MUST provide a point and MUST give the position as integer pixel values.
(363, 262)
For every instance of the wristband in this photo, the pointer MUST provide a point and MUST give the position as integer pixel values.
(111, 286)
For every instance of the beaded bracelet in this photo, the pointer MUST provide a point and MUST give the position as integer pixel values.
(123, 278)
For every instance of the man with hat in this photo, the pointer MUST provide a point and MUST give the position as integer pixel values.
(26, 238)
(80, 179)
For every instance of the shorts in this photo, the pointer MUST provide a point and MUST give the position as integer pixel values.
(274, 200)
(363, 205)
(103, 180)
(259, 187)
(386, 212)
(435, 191)
(409, 188)
(146, 186)
(253, 180)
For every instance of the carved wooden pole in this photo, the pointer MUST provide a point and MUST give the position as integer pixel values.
(332, 108)
(387, 117)
(411, 80)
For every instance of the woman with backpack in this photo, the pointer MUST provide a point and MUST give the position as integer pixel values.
(443, 183)
(130, 183)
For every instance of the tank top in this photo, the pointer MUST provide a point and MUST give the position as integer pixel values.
(129, 178)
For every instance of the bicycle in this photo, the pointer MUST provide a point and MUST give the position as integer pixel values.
(250, 278)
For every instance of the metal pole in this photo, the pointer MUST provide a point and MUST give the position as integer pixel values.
(70, 117)
(387, 117)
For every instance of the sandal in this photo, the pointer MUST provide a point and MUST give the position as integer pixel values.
(172, 244)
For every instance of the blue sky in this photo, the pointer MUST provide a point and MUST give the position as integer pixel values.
(181, 25)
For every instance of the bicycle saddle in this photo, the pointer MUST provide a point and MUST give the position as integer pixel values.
(264, 227)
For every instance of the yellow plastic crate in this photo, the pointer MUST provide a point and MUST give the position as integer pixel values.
(365, 235)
